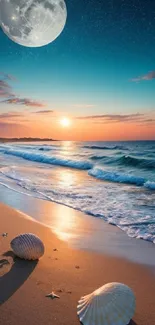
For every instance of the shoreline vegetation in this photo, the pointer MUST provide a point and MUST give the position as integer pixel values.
(70, 273)
(25, 139)
(31, 139)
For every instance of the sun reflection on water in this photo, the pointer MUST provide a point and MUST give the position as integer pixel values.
(68, 148)
(65, 223)
(67, 178)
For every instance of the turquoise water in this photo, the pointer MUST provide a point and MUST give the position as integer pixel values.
(114, 181)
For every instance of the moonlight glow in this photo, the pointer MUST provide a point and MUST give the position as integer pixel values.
(65, 122)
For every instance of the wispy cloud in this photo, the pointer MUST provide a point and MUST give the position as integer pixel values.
(12, 123)
(9, 97)
(7, 124)
(148, 76)
(7, 76)
(44, 112)
(111, 117)
(23, 101)
(117, 118)
(5, 89)
(10, 115)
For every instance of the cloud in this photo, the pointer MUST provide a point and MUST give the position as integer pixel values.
(111, 117)
(5, 89)
(117, 118)
(23, 101)
(9, 115)
(149, 76)
(150, 120)
(11, 98)
(11, 123)
(43, 112)
(7, 76)
(8, 124)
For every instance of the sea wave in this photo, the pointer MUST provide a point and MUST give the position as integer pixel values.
(150, 185)
(47, 159)
(116, 177)
(142, 228)
(95, 157)
(35, 147)
(104, 147)
(129, 207)
(101, 174)
(136, 162)
(27, 184)
(126, 160)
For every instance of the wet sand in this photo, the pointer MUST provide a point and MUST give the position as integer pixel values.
(69, 272)
(81, 231)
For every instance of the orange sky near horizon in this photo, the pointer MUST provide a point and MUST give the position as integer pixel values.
(78, 130)
(111, 120)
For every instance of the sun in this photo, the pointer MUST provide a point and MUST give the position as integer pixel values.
(65, 122)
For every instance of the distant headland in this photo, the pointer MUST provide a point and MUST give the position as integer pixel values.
(25, 139)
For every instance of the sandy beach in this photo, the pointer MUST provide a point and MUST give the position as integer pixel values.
(68, 272)
(77, 162)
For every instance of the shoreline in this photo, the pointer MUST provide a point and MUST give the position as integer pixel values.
(69, 272)
(81, 231)
(105, 193)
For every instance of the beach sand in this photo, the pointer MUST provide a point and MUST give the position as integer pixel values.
(68, 272)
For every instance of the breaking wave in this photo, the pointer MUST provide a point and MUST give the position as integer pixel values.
(47, 159)
(116, 177)
(137, 162)
(121, 178)
(105, 147)
(126, 160)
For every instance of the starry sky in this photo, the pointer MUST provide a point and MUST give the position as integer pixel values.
(100, 73)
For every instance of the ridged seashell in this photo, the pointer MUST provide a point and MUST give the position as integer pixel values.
(112, 304)
(27, 246)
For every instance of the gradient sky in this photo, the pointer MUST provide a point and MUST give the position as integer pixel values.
(100, 72)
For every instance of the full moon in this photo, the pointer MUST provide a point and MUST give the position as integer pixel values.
(33, 23)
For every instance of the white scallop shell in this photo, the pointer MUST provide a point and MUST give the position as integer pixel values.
(112, 304)
(27, 246)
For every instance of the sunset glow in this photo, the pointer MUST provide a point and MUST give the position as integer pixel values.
(65, 122)
(77, 158)
(99, 86)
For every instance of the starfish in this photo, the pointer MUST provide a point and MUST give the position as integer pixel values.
(52, 295)
(5, 234)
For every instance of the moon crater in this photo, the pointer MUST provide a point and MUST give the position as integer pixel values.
(33, 23)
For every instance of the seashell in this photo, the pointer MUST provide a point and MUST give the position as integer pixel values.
(52, 295)
(112, 304)
(27, 246)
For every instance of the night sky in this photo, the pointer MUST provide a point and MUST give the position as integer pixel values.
(101, 69)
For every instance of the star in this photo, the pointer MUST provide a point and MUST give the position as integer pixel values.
(5, 234)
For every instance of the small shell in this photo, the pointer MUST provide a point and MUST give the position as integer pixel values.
(112, 304)
(27, 246)
(5, 234)
(52, 295)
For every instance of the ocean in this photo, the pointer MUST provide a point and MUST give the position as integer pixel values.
(113, 181)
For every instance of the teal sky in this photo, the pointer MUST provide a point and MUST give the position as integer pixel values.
(102, 63)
